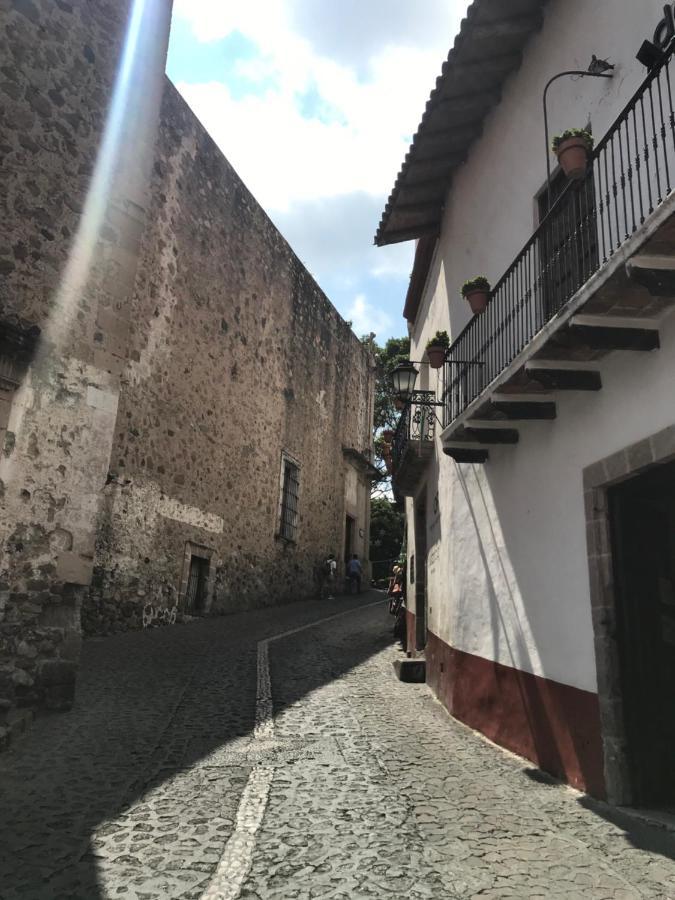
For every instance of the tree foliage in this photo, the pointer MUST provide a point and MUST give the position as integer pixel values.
(386, 533)
(386, 520)
(386, 416)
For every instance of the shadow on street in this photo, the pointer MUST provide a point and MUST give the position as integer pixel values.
(149, 706)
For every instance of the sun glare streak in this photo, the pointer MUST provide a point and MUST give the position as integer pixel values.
(80, 261)
(117, 174)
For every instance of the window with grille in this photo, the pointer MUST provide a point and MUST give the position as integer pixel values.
(290, 491)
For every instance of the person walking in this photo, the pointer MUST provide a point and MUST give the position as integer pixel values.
(326, 571)
(354, 572)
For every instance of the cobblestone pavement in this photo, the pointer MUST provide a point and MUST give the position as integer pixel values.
(163, 784)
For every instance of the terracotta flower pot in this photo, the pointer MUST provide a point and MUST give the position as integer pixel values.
(387, 435)
(478, 301)
(436, 355)
(398, 403)
(572, 155)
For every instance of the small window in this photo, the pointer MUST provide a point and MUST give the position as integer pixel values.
(290, 491)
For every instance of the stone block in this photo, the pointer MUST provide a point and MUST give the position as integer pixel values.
(73, 568)
(411, 670)
(595, 475)
(663, 444)
(640, 455)
(616, 466)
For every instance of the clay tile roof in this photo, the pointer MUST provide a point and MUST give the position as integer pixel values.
(487, 50)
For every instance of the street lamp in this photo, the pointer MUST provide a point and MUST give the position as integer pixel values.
(403, 379)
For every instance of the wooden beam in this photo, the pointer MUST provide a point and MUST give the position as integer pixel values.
(526, 410)
(422, 206)
(462, 134)
(449, 159)
(556, 376)
(466, 454)
(656, 273)
(423, 184)
(608, 337)
(499, 64)
(406, 234)
(514, 26)
(461, 104)
(492, 435)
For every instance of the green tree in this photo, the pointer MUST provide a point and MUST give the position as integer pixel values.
(386, 416)
(386, 535)
(387, 522)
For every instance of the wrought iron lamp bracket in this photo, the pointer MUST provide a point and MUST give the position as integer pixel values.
(598, 68)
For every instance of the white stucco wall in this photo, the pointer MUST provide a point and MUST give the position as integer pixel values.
(507, 570)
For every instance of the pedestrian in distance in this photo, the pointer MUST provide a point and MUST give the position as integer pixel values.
(354, 572)
(395, 591)
(327, 572)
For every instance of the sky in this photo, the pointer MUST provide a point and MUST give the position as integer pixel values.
(314, 103)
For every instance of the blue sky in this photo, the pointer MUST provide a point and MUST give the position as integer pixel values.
(315, 103)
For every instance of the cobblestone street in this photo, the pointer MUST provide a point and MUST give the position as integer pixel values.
(171, 779)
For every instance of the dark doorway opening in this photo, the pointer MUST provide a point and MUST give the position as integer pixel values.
(421, 574)
(349, 538)
(642, 512)
(197, 588)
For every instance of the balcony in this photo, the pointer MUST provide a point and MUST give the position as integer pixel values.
(413, 444)
(596, 276)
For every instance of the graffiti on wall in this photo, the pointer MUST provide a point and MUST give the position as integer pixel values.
(160, 612)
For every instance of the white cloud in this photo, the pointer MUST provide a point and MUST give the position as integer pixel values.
(285, 157)
(334, 237)
(366, 318)
(331, 101)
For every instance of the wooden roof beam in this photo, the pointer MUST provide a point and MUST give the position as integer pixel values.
(407, 234)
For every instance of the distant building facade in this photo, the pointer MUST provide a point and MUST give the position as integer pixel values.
(186, 419)
(539, 492)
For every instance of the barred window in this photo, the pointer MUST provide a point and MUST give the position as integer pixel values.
(290, 490)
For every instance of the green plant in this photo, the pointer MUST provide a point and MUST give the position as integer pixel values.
(440, 339)
(479, 283)
(581, 133)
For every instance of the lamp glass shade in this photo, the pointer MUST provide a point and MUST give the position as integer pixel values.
(403, 379)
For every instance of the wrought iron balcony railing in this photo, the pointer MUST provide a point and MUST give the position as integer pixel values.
(416, 426)
(629, 175)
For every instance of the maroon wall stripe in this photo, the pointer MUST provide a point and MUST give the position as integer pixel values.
(554, 725)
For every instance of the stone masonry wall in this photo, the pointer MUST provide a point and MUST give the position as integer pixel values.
(68, 253)
(235, 355)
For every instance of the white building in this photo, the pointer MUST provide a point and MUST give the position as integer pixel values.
(541, 503)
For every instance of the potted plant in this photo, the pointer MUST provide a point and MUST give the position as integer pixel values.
(477, 292)
(398, 403)
(573, 148)
(387, 436)
(436, 349)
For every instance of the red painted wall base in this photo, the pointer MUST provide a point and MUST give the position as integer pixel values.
(555, 726)
(410, 631)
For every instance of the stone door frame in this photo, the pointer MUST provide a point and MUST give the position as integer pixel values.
(208, 554)
(597, 478)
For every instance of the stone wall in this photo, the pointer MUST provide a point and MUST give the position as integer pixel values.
(73, 211)
(235, 355)
(161, 347)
